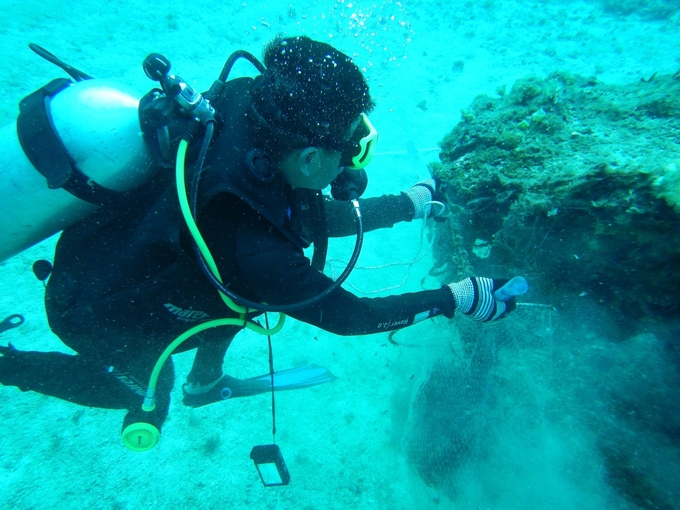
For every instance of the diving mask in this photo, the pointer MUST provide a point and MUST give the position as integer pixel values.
(358, 152)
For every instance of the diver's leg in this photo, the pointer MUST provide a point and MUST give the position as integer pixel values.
(86, 381)
(209, 358)
(206, 383)
(68, 377)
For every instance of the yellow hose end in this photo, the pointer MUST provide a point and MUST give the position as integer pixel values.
(148, 407)
(140, 437)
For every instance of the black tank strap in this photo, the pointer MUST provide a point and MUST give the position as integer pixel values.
(47, 153)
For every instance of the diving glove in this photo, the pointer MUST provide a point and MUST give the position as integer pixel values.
(422, 195)
(482, 298)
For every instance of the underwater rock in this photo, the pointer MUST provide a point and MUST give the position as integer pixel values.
(574, 184)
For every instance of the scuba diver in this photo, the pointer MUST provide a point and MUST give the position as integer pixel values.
(221, 237)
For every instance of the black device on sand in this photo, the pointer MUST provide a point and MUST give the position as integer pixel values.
(270, 464)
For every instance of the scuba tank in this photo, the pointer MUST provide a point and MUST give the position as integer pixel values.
(77, 145)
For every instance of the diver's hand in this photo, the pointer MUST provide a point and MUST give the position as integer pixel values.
(422, 196)
(486, 299)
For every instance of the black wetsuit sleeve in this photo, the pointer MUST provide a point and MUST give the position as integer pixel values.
(273, 270)
(378, 212)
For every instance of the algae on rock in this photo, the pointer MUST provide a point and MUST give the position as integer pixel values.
(574, 184)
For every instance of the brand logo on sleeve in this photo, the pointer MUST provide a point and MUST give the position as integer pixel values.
(389, 324)
(186, 315)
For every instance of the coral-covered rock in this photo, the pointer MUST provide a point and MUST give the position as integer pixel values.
(574, 184)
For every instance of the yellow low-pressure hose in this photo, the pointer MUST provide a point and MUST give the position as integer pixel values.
(150, 400)
(191, 224)
(241, 321)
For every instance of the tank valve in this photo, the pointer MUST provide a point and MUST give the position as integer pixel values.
(190, 101)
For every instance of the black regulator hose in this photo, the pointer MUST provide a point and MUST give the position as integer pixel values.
(253, 304)
(193, 200)
(232, 60)
(294, 306)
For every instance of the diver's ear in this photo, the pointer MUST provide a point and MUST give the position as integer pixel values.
(308, 160)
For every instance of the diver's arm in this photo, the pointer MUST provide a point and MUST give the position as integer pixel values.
(383, 212)
(378, 212)
(343, 313)
(275, 272)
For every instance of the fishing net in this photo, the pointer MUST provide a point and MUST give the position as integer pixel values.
(493, 383)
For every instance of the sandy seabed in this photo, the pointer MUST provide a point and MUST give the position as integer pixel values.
(344, 442)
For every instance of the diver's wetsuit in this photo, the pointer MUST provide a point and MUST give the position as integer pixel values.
(120, 315)
(126, 282)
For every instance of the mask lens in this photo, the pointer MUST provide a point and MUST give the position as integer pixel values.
(363, 142)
